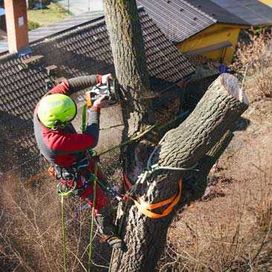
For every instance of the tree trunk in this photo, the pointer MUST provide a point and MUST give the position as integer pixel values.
(129, 59)
(183, 147)
(127, 45)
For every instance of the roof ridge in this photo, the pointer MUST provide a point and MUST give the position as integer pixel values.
(199, 10)
(67, 31)
(218, 7)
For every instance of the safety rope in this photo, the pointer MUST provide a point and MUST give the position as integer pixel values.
(65, 193)
(63, 227)
(92, 221)
(90, 247)
(141, 135)
(84, 118)
(129, 141)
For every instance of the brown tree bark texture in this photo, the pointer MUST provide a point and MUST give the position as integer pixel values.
(184, 146)
(129, 60)
(216, 112)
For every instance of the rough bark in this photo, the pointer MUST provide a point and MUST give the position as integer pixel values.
(131, 71)
(184, 146)
(129, 58)
(216, 112)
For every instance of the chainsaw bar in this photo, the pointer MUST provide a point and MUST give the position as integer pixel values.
(110, 90)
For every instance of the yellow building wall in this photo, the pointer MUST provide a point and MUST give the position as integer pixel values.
(214, 35)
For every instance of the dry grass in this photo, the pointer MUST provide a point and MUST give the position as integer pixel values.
(230, 233)
(31, 237)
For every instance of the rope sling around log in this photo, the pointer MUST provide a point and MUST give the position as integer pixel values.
(147, 208)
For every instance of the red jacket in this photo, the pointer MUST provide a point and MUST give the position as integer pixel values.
(65, 147)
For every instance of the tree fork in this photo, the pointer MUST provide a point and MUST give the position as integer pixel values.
(183, 146)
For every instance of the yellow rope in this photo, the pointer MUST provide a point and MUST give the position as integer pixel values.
(92, 222)
(63, 234)
(132, 139)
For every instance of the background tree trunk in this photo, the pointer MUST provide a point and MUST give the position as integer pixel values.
(185, 146)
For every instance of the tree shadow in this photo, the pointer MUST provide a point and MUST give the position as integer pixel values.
(195, 90)
(241, 124)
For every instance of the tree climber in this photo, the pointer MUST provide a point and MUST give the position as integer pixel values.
(67, 151)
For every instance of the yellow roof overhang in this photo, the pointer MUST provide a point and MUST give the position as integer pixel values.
(209, 48)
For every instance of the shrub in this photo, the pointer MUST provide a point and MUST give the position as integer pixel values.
(32, 3)
(32, 25)
(253, 64)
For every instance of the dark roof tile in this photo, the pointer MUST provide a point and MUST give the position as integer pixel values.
(252, 11)
(176, 18)
(220, 14)
(181, 19)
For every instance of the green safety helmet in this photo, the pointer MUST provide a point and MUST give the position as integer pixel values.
(56, 110)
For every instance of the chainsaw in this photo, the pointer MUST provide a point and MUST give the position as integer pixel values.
(110, 90)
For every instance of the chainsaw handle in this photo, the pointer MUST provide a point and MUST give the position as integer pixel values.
(88, 99)
(109, 83)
